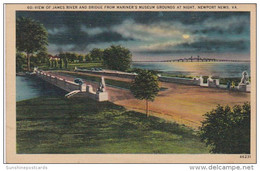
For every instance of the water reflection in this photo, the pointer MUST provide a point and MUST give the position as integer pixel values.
(220, 69)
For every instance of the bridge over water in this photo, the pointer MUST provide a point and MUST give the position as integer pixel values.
(197, 59)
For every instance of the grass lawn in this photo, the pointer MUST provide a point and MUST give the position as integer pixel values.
(78, 125)
(71, 66)
(116, 83)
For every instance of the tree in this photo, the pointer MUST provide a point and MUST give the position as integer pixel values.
(145, 86)
(88, 58)
(117, 58)
(34, 61)
(81, 58)
(20, 60)
(52, 63)
(31, 37)
(55, 63)
(96, 54)
(42, 57)
(63, 59)
(60, 63)
(227, 130)
(39, 58)
(49, 63)
(71, 56)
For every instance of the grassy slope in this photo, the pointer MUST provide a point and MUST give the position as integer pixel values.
(59, 125)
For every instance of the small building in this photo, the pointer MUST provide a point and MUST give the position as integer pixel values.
(52, 58)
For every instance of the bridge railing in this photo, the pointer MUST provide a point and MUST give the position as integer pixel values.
(70, 86)
(61, 83)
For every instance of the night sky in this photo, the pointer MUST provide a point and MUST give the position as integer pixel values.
(149, 35)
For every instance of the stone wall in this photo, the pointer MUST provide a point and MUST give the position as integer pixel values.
(212, 83)
(177, 80)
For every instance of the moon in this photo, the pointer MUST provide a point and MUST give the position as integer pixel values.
(186, 36)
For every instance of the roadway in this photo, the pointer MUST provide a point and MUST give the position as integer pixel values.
(184, 104)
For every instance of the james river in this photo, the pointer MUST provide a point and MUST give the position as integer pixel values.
(220, 69)
(27, 88)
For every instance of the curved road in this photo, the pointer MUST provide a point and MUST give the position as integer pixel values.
(181, 103)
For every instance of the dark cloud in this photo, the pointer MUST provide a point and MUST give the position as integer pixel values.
(74, 19)
(68, 38)
(108, 37)
(162, 52)
(215, 46)
(204, 46)
(85, 39)
(107, 19)
(208, 31)
(237, 29)
(183, 17)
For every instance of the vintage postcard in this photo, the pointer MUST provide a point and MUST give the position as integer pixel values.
(130, 83)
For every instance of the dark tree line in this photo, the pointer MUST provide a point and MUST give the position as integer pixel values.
(95, 55)
(32, 39)
(113, 57)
